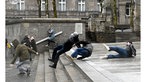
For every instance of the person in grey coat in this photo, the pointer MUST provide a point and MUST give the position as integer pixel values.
(84, 51)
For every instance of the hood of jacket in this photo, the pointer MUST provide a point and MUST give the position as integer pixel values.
(15, 43)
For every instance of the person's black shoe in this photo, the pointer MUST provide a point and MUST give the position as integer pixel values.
(30, 59)
(52, 41)
(50, 60)
(21, 73)
(52, 66)
(28, 72)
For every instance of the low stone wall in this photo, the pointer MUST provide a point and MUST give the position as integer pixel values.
(127, 36)
(103, 37)
(39, 30)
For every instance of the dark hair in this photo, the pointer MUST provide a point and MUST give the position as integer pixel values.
(15, 42)
(130, 42)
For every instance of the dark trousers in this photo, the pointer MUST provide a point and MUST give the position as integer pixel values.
(122, 53)
(57, 52)
(81, 51)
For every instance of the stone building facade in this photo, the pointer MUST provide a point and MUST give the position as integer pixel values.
(98, 17)
(76, 9)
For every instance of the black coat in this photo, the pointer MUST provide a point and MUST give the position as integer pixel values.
(70, 42)
(26, 41)
(131, 50)
(33, 45)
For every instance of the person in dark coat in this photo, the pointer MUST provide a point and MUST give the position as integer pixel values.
(26, 41)
(22, 52)
(33, 44)
(73, 39)
(129, 51)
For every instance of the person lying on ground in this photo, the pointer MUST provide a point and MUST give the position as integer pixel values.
(129, 51)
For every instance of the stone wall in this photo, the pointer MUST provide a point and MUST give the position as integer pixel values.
(39, 31)
(127, 36)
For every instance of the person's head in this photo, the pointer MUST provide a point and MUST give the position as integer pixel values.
(51, 30)
(26, 37)
(74, 34)
(14, 43)
(32, 38)
(129, 42)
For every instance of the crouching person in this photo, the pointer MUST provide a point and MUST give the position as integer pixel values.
(22, 53)
(84, 51)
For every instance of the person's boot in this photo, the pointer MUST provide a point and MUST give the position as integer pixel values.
(50, 60)
(28, 72)
(30, 59)
(52, 66)
(21, 73)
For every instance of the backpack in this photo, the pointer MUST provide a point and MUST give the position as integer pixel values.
(133, 50)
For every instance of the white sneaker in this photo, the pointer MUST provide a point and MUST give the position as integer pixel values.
(107, 47)
(103, 57)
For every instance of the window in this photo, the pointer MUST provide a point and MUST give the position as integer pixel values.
(98, 7)
(79, 28)
(62, 5)
(128, 9)
(43, 5)
(21, 5)
(81, 5)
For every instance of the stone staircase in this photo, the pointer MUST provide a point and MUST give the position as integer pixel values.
(65, 71)
(91, 69)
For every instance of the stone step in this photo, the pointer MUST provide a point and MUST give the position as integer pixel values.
(40, 70)
(49, 72)
(60, 73)
(34, 68)
(71, 70)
